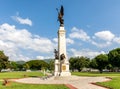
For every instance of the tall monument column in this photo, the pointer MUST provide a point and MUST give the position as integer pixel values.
(63, 59)
(61, 41)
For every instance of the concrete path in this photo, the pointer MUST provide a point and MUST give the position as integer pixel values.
(78, 82)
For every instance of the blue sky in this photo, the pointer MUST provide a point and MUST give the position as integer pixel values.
(28, 28)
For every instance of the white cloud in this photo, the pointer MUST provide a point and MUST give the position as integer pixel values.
(101, 44)
(79, 34)
(12, 51)
(105, 35)
(117, 40)
(13, 40)
(86, 53)
(100, 39)
(44, 57)
(103, 39)
(69, 41)
(55, 40)
(43, 45)
(26, 21)
(40, 57)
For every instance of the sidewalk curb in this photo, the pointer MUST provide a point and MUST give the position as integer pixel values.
(70, 86)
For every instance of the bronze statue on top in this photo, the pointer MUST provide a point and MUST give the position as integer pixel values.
(60, 16)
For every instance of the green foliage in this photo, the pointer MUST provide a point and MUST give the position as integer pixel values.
(100, 62)
(26, 66)
(20, 65)
(79, 63)
(72, 63)
(109, 67)
(114, 57)
(20, 62)
(51, 64)
(4, 62)
(113, 84)
(33, 86)
(20, 74)
(93, 64)
(13, 65)
(37, 64)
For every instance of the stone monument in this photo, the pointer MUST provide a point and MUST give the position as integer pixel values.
(61, 59)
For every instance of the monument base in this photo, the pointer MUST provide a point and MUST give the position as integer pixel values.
(65, 70)
(65, 74)
(56, 74)
(56, 71)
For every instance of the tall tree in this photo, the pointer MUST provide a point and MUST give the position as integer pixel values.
(73, 61)
(101, 61)
(4, 62)
(13, 65)
(93, 64)
(79, 63)
(114, 57)
(26, 66)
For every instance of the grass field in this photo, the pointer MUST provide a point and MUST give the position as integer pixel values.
(96, 74)
(13, 85)
(113, 84)
(32, 86)
(19, 74)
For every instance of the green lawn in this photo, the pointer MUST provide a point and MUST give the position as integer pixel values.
(112, 84)
(14, 85)
(32, 86)
(96, 74)
(19, 74)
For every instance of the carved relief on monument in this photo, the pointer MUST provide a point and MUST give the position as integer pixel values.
(63, 67)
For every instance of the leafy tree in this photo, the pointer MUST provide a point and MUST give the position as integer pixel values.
(101, 61)
(109, 67)
(73, 63)
(4, 62)
(87, 62)
(26, 66)
(37, 64)
(51, 64)
(93, 64)
(20, 65)
(13, 65)
(79, 63)
(114, 57)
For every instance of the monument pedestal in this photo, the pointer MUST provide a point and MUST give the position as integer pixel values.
(57, 68)
(65, 70)
(65, 74)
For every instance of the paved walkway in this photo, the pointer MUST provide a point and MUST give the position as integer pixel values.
(78, 82)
